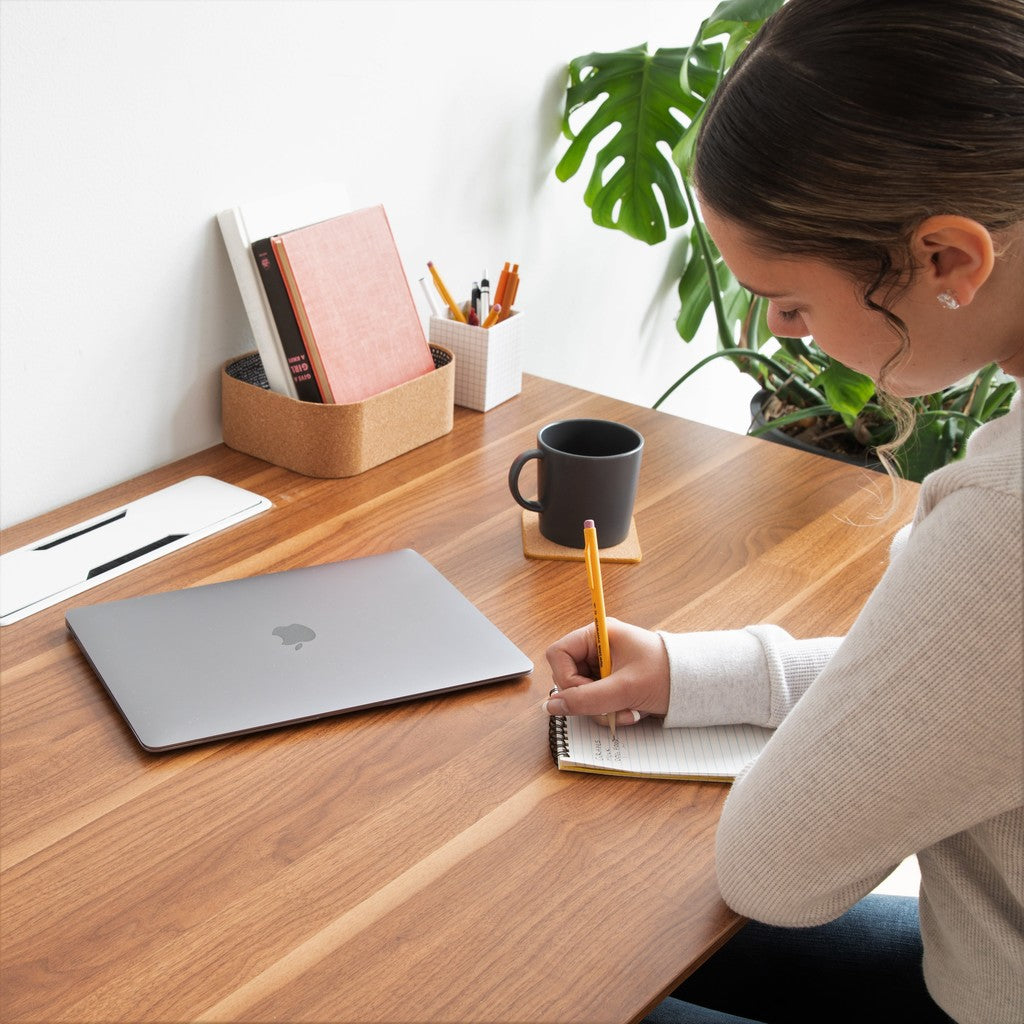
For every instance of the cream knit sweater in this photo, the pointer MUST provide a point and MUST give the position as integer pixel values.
(906, 736)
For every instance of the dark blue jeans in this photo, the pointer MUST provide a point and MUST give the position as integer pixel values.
(864, 967)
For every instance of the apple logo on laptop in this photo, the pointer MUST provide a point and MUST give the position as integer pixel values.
(294, 635)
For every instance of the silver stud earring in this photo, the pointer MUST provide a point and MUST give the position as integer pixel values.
(948, 299)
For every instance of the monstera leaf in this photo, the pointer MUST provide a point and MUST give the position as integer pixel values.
(645, 107)
(642, 93)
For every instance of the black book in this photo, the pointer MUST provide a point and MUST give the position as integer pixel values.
(299, 363)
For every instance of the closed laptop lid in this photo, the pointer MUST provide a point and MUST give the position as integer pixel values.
(224, 659)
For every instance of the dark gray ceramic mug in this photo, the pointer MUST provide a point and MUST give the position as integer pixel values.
(586, 469)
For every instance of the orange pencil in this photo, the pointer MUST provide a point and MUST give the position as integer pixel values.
(511, 287)
(499, 292)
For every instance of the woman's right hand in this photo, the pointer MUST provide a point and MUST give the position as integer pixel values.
(638, 684)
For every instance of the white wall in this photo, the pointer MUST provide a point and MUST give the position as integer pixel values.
(127, 125)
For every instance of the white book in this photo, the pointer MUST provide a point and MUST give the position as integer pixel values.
(250, 222)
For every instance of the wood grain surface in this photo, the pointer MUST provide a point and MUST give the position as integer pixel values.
(424, 862)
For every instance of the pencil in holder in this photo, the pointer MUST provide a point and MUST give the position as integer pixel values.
(488, 361)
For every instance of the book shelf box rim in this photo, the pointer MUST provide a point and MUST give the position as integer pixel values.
(330, 441)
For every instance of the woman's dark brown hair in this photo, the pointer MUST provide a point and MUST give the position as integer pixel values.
(846, 123)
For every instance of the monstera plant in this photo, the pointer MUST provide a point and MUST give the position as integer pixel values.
(637, 114)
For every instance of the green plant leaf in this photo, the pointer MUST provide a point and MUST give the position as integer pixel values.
(938, 439)
(695, 297)
(846, 390)
(694, 292)
(985, 380)
(701, 72)
(998, 403)
(685, 149)
(812, 357)
(641, 94)
(702, 67)
(706, 61)
(793, 417)
(731, 11)
(797, 368)
(762, 332)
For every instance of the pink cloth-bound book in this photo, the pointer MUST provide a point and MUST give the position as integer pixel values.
(353, 304)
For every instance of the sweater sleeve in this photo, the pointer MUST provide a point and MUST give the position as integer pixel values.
(754, 675)
(912, 733)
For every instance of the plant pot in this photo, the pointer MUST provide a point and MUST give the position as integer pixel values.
(858, 456)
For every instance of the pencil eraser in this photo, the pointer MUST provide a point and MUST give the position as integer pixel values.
(588, 524)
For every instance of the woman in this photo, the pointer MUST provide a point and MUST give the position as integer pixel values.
(862, 166)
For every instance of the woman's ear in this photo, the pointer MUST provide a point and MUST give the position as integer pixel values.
(956, 254)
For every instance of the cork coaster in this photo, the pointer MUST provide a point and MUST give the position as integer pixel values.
(537, 546)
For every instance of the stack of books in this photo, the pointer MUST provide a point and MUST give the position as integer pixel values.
(326, 296)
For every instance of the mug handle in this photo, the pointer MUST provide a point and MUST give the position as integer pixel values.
(513, 478)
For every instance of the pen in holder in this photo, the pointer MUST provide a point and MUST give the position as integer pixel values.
(488, 361)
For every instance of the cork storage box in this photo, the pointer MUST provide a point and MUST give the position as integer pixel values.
(334, 440)
(488, 361)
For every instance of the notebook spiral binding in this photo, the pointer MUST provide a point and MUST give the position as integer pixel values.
(558, 737)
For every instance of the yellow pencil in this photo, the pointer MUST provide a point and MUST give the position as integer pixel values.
(593, 560)
(457, 313)
(492, 317)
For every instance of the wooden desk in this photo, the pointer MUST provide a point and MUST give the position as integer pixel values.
(421, 863)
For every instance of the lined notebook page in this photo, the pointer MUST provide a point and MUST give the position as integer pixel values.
(716, 753)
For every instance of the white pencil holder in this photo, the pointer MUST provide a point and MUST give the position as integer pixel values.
(488, 361)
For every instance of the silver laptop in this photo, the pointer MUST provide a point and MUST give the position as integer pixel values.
(209, 662)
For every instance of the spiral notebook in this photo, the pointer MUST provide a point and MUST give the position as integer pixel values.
(648, 750)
